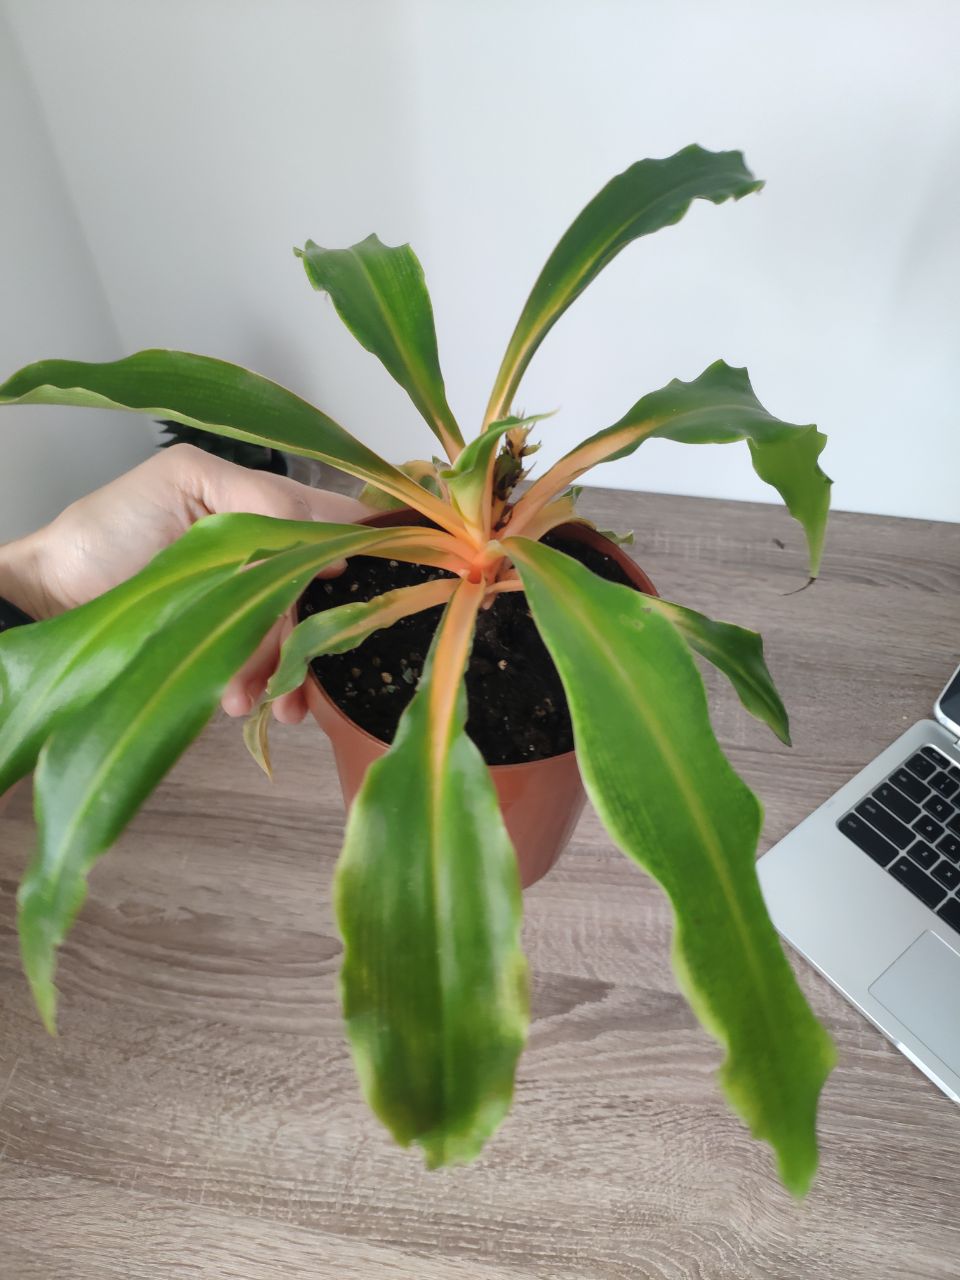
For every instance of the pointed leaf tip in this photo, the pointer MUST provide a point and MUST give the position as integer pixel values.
(380, 294)
(738, 653)
(256, 737)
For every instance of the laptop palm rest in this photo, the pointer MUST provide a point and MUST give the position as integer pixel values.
(922, 991)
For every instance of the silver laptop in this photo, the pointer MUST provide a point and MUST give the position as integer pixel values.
(868, 890)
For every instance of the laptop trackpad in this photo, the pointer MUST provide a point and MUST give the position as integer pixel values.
(922, 990)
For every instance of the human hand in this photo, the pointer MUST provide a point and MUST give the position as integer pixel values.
(106, 537)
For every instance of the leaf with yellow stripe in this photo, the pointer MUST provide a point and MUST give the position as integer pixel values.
(668, 797)
(53, 668)
(381, 295)
(427, 894)
(94, 771)
(649, 195)
(334, 631)
(223, 398)
(718, 407)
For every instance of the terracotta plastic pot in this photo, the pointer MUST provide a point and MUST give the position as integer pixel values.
(541, 801)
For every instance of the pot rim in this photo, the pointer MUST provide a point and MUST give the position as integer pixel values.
(580, 533)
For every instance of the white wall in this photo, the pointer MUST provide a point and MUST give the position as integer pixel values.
(51, 302)
(200, 139)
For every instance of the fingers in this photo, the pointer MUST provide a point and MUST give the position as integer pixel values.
(291, 708)
(247, 686)
(236, 702)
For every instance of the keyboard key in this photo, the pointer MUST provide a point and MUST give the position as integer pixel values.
(954, 824)
(936, 756)
(910, 785)
(923, 855)
(928, 829)
(943, 783)
(954, 772)
(885, 822)
(950, 911)
(947, 874)
(865, 838)
(949, 846)
(918, 882)
(896, 802)
(921, 766)
(938, 807)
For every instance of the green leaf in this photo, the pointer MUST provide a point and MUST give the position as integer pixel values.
(215, 396)
(618, 539)
(428, 901)
(671, 801)
(381, 295)
(468, 480)
(718, 407)
(649, 195)
(736, 652)
(344, 628)
(95, 771)
(377, 500)
(52, 669)
(421, 472)
(334, 631)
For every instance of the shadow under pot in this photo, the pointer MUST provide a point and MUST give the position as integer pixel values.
(517, 711)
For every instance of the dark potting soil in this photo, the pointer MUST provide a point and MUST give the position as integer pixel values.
(516, 707)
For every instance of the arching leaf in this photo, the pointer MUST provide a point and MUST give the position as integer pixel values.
(381, 295)
(649, 195)
(668, 797)
(718, 407)
(219, 397)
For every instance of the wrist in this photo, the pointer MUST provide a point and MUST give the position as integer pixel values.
(21, 576)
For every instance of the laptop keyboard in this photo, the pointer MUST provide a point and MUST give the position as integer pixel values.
(910, 825)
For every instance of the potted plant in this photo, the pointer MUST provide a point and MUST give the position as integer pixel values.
(103, 699)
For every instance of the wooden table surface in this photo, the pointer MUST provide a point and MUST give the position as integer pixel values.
(198, 1115)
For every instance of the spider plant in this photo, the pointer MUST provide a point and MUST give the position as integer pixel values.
(102, 700)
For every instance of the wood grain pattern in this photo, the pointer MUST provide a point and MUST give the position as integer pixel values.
(198, 1114)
